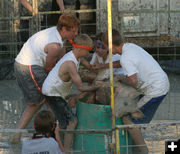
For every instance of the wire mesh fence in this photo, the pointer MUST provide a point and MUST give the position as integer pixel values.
(153, 25)
(155, 135)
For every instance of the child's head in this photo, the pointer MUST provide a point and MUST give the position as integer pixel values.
(83, 43)
(44, 122)
(84, 40)
(99, 46)
(99, 36)
(116, 38)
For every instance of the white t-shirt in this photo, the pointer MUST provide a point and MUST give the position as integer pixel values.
(152, 80)
(99, 59)
(32, 52)
(53, 85)
(42, 145)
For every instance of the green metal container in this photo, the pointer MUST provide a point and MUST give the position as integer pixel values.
(96, 117)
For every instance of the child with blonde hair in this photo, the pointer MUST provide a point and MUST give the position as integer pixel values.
(59, 82)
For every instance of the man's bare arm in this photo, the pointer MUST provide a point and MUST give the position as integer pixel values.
(72, 101)
(131, 80)
(77, 80)
(60, 4)
(85, 63)
(54, 52)
(116, 64)
(27, 5)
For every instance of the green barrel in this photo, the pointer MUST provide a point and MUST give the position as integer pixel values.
(93, 116)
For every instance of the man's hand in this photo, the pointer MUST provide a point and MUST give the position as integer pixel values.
(97, 66)
(64, 11)
(96, 87)
(56, 131)
(72, 102)
(117, 78)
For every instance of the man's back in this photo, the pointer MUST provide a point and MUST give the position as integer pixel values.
(32, 52)
(152, 80)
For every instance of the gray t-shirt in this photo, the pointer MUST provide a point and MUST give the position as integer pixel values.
(42, 145)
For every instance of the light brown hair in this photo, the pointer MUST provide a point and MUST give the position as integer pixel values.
(116, 38)
(44, 122)
(69, 21)
(83, 39)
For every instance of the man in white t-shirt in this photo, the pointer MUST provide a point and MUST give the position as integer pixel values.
(36, 58)
(145, 74)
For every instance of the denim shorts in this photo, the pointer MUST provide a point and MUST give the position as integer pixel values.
(27, 85)
(149, 109)
(61, 110)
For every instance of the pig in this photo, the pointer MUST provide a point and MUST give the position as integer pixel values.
(125, 96)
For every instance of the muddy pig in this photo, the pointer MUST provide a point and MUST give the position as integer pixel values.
(125, 96)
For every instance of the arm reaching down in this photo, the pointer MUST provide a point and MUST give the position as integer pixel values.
(28, 6)
(60, 4)
(85, 63)
(116, 64)
(130, 80)
(68, 71)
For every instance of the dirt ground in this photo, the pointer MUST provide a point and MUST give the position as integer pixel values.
(11, 107)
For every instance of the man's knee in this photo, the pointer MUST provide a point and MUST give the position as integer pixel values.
(36, 104)
(126, 120)
(137, 114)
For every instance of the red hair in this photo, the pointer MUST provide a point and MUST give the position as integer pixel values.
(69, 21)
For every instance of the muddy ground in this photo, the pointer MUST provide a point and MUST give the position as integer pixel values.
(11, 107)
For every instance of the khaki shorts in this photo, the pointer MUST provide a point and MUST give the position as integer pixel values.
(27, 85)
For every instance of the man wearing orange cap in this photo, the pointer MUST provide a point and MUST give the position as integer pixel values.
(59, 81)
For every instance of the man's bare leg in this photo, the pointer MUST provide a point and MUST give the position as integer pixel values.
(68, 137)
(136, 135)
(26, 117)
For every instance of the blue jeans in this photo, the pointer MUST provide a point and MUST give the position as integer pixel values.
(149, 109)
